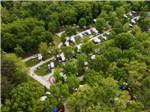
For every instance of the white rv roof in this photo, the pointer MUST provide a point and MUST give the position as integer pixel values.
(43, 98)
(80, 34)
(52, 64)
(93, 57)
(66, 43)
(85, 63)
(94, 20)
(133, 21)
(72, 38)
(97, 40)
(62, 56)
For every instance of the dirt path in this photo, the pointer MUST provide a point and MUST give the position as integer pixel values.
(28, 58)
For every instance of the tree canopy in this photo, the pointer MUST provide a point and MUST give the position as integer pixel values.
(111, 75)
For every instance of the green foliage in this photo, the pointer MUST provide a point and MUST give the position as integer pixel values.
(100, 24)
(123, 57)
(6, 87)
(99, 63)
(118, 27)
(19, 51)
(92, 77)
(126, 27)
(70, 68)
(72, 82)
(124, 40)
(88, 47)
(60, 92)
(82, 22)
(68, 51)
(120, 12)
(53, 26)
(25, 97)
(145, 23)
(70, 30)
(81, 59)
(27, 33)
(93, 98)
(43, 49)
(13, 71)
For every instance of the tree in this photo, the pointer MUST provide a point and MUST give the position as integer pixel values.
(81, 59)
(103, 14)
(5, 15)
(112, 18)
(70, 68)
(26, 33)
(113, 54)
(120, 12)
(25, 97)
(6, 87)
(70, 30)
(19, 51)
(88, 47)
(53, 26)
(13, 72)
(99, 63)
(83, 9)
(8, 40)
(47, 37)
(53, 50)
(124, 40)
(137, 71)
(96, 8)
(126, 27)
(107, 7)
(100, 24)
(74, 101)
(68, 15)
(68, 51)
(60, 92)
(13, 68)
(118, 71)
(57, 76)
(91, 77)
(117, 27)
(137, 5)
(145, 23)
(103, 95)
(89, 20)
(43, 49)
(72, 82)
(146, 92)
(136, 29)
(82, 22)
(41, 35)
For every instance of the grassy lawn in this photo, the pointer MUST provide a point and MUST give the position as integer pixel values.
(57, 40)
(43, 70)
(31, 62)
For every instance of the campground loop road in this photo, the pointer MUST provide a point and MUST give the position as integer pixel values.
(44, 79)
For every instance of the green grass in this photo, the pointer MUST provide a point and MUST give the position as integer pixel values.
(43, 70)
(57, 40)
(31, 62)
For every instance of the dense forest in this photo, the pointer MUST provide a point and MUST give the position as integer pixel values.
(115, 72)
